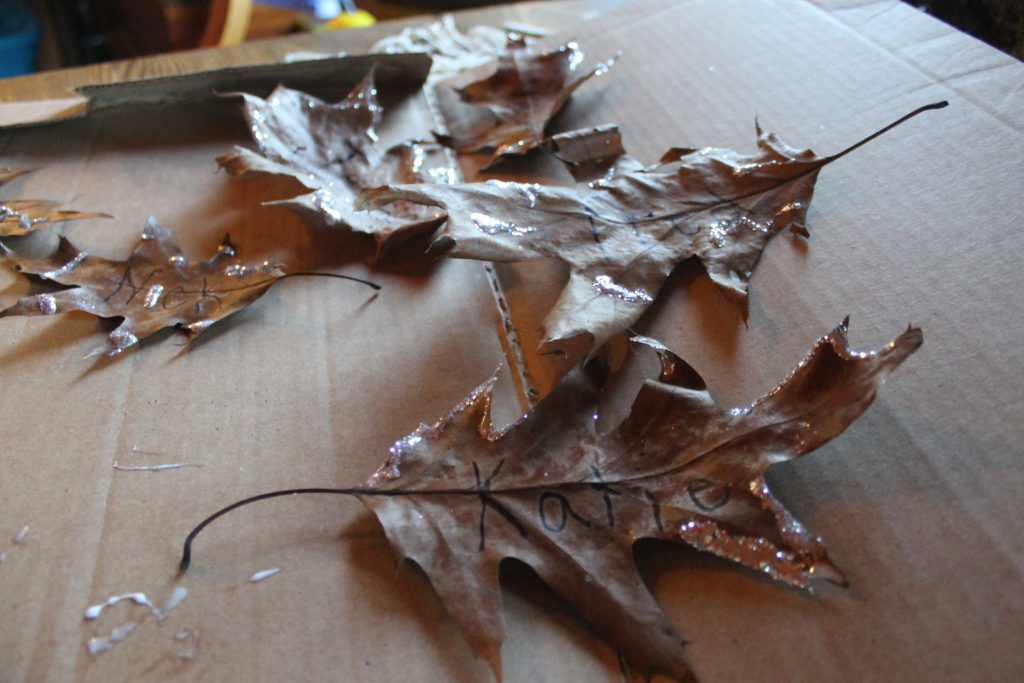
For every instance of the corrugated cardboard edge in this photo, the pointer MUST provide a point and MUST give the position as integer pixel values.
(329, 78)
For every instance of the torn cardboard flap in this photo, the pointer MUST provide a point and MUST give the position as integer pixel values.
(327, 78)
(918, 502)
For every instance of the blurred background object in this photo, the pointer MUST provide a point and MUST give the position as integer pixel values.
(78, 32)
(1000, 23)
(19, 38)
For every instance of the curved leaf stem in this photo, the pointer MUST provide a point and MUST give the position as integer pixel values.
(372, 285)
(186, 553)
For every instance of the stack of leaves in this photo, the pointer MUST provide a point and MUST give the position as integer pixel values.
(457, 497)
(551, 490)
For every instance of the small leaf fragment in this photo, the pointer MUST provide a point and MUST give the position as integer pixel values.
(22, 216)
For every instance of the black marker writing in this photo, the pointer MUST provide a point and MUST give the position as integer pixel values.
(607, 492)
(126, 281)
(655, 508)
(487, 501)
(564, 512)
(707, 495)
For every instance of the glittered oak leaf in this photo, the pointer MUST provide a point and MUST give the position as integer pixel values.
(508, 111)
(21, 216)
(553, 492)
(457, 497)
(622, 234)
(152, 289)
(333, 150)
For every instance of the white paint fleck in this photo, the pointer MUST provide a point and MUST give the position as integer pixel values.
(190, 653)
(265, 574)
(95, 611)
(98, 644)
(153, 468)
(20, 536)
(175, 598)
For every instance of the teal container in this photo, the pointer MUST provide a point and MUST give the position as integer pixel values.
(19, 36)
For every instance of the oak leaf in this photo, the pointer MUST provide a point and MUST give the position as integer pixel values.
(508, 111)
(21, 216)
(623, 234)
(333, 150)
(458, 497)
(154, 288)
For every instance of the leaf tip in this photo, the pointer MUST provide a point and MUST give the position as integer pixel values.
(674, 370)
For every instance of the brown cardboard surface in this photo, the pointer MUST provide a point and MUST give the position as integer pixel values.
(919, 501)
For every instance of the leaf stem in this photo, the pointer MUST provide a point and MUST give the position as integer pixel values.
(881, 131)
(372, 285)
(186, 553)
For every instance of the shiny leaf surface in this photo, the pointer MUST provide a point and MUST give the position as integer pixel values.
(154, 288)
(509, 110)
(333, 150)
(457, 497)
(623, 233)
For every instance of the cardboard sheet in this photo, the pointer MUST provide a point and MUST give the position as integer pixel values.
(919, 501)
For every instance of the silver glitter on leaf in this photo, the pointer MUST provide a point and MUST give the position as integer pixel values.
(458, 497)
(154, 288)
(624, 227)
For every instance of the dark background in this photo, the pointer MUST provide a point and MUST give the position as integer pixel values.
(87, 31)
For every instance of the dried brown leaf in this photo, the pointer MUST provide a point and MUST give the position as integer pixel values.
(551, 491)
(450, 50)
(154, 288)
(622, 234)
(509, 110)
(333, 150)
